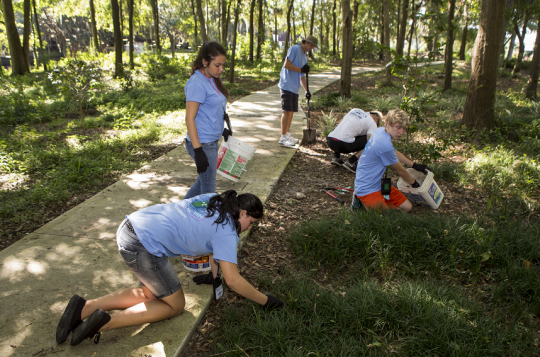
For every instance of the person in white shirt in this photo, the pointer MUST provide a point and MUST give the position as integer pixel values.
(352, 135)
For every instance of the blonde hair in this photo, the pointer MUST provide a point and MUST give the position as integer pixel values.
(397, 116)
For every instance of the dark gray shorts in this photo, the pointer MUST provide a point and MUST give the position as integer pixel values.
(289, 101)
(156, 273)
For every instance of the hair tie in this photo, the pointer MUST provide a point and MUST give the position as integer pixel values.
(237, 195)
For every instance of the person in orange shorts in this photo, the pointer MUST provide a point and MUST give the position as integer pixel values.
(377, 155)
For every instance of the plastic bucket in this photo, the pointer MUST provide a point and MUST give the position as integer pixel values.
(428, 194)
(233, 158)
(196, 263)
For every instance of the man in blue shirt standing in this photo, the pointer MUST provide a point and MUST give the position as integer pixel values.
(291, 76)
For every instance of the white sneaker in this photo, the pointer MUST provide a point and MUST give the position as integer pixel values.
(291, 138)
(285, 141)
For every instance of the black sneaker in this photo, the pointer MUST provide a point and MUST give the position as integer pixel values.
(70, 319)
(90, 328)
(356, 203)
(336, 161)
(350, 167)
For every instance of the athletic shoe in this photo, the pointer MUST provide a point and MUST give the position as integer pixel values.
(285, 141)
(356, 203)
(70, 319)
(292, 139)
(350, 167)
(90, 327)
(336, 161)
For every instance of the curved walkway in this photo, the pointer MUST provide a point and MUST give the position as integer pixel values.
(77, 252)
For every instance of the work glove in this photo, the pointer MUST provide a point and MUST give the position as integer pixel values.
(201, 161)
(272, 302)
(420, 167)
(226, 134)
(308, 95)
(305, 69)
(415, 184)
(204, 278)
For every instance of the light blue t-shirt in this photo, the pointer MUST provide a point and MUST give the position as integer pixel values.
(378, 153)
(182, 227)
(289, 80)
(209, 118)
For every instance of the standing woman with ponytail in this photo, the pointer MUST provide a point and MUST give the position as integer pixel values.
(206, 224)
(206, 101)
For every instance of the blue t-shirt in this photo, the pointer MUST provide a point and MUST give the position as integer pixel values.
(209, 118)
(289, 80)
(182, 227)
(378, 153)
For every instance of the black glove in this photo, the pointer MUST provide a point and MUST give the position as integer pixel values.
(272, 302)
(420, 167)
(308, 95)
(305, 69)
(415, 184)
(201, 161)
(226, 134)
(204, 278)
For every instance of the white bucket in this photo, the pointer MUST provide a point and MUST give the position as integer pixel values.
(196, 263)
(233, 157)
(428, 194)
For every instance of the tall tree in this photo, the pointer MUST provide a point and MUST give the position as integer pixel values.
(402, 28)
(463, 45)
(235, 33)
(334, 34)
(155, 16)
(260, 31)
(18, 63)
(41, 50)
(131, 39)
(195, 38)
(26, 31)
(224, 23)
(387, 54)
(251, 30)
(530, 91)
(449, 49)
(313, 17)
(93, 25)
(347, 47)
(118, 43)
(201, 21)
(523, 16)
(479, 106)
(289, 11)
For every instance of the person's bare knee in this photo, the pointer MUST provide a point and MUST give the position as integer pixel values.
(176, 302)
(405, 206)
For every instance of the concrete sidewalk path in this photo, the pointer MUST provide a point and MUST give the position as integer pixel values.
(76, 253)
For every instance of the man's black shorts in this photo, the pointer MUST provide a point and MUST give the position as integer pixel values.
(342, 147)
(289, 101)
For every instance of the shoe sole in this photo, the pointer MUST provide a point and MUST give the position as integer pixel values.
(289, 146)
(64, 326)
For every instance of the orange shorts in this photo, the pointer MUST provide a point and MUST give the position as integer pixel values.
(377, 199)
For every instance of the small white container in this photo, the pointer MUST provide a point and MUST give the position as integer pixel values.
(428, 194)
(233, 157)
(196, 263)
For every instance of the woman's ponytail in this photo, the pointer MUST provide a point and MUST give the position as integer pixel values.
(229, 205)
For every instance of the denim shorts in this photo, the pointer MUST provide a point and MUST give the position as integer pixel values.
(156, 273)
(289, 101)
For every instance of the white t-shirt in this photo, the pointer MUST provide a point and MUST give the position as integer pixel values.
(355, 123)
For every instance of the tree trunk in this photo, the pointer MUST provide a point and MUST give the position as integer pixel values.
(387, 54)
(18, 63)
(402, 28)
(275, 28)
(530, 91)
(131, 37)
(173, 43)
(449, 50)
(510, 48)
(411, 30)
(464, 36)
(313, 17)
(93, 25)
(201, 21)
(288, 28)
(235, 33)
(346, 63)
(334, 34)
(26, 32)
(521, 38)
(381, 30)
(155, 15)
(196, 43)
(224, 23)
(260, 34)
(118, 66)
(251, 32)
(41, 51)
(121, 11)
(479, 106)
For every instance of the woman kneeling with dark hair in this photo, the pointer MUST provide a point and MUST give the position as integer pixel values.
(204, 224)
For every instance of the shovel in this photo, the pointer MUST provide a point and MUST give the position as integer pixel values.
(310, 135)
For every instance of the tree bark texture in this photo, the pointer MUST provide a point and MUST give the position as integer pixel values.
(402, 28)
(41, 50)
(347, 46)
(532, 85)
(195, 27)
(155, 15)
(118, 43)
(334, 25)
(224, 23)
(463, 45)
(479, 106)
(201, 21)
(235, 32)
(387, 54)
(260, 34)
(93, 25)
(251, 30)
(521, 38)
(289, 11)
(18, 63)
(449, 50)
(26, 32)
(131, 37)
(312, 17)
